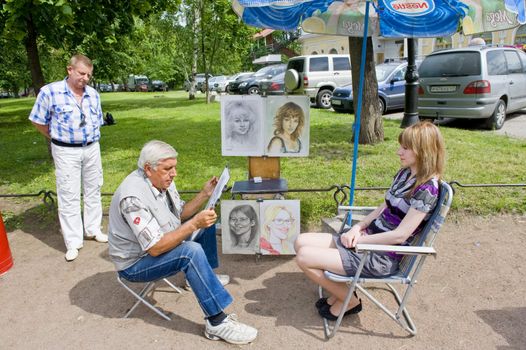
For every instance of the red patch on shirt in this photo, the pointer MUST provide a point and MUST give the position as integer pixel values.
(137, 220)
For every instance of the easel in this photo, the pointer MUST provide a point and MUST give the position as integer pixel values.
(270, 187)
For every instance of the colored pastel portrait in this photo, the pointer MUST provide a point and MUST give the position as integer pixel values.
(280, 227)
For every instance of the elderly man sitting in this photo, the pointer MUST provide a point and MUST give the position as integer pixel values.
(149, 238)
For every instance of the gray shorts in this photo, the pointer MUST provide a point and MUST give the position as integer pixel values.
(377, 264)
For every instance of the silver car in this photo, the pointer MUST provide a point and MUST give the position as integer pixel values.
(476, 82)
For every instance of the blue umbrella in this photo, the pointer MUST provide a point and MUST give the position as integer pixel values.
(390, 19)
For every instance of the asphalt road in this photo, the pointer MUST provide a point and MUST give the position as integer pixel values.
(514, 126)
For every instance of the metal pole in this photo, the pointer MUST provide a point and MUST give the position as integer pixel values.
(411, 87)
(358, 107)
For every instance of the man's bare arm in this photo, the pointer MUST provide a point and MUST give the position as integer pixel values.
(43, 129)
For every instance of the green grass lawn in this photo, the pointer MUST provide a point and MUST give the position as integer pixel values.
(193, 128)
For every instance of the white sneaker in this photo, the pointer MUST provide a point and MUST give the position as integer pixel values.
(72, 254)
(231, 331)
(223, 279)
(99, 237)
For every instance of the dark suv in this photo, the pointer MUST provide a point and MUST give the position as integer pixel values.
(475, 82)
(251, 85)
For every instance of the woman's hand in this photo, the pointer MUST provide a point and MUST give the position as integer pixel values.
(350, 238)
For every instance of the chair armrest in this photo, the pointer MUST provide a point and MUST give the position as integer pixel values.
(399, 249)
(355, 208)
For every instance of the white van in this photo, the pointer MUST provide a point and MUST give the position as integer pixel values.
(317, 76)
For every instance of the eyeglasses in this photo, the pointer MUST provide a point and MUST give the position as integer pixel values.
(240, 220)
(283, 222)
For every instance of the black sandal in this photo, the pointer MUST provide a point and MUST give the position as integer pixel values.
(325, 311)
(321, 302)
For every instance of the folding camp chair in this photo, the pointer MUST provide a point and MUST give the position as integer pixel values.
(140, 296)
(409, 269)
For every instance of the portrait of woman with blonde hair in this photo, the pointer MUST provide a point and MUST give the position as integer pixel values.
(280, 230)
(240, 127)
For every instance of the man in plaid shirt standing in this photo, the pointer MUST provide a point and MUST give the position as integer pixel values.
(69, 113)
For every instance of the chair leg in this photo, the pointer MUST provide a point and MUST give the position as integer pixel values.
(329, 333)
(178, 290)
(140, 298)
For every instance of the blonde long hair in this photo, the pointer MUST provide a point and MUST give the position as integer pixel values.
(426, 141)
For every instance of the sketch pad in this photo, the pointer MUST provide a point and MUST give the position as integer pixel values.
(214, 198)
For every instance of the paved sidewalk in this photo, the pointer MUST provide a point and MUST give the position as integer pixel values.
(470, 297)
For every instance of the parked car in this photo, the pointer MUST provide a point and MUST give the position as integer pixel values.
(159, 85)
(217, 83)
(274, 86)
(391, 89)
(475, 82)
(139, 83)
(251, 85)
(317, 76)
(103, 87)
(233, 86)
(231, 79)
(199, 79)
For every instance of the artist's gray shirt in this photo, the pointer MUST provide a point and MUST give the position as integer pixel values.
(139, 216)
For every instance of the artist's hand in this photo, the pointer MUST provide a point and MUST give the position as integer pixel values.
(205, 218)
(209, 186)
(349, 239)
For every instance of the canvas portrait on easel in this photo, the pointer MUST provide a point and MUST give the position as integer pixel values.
(287, 125)
(240, 227)
(241, 125)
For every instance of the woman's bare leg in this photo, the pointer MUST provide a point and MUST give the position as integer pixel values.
(315, 253)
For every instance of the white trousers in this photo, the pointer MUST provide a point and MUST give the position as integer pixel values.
(75, 166)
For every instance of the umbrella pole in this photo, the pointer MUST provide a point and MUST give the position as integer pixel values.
(358, 110)
(411, 87)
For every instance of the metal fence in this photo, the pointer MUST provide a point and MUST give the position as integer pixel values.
(340, 193)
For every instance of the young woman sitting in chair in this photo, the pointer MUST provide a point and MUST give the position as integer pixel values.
(407, 206)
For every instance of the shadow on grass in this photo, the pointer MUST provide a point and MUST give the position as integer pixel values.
(508, 323)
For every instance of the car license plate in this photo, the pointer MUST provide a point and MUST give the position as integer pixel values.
(443, 88)
(336, 102)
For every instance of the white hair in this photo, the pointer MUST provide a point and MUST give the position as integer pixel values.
(154, 152)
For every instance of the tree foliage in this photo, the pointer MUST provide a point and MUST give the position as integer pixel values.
(90, 27)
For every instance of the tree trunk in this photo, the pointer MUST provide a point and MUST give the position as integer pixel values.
(32, 55)
(195, 50)
(34, 64)
(371, 125)
(202, 21)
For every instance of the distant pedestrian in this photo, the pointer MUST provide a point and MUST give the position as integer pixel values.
(68, 112)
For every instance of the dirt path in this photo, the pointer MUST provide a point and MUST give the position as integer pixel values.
(471, 296)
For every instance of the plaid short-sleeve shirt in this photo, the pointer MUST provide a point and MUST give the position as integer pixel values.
(57, 107)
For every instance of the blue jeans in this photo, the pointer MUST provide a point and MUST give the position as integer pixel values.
(196, 259)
